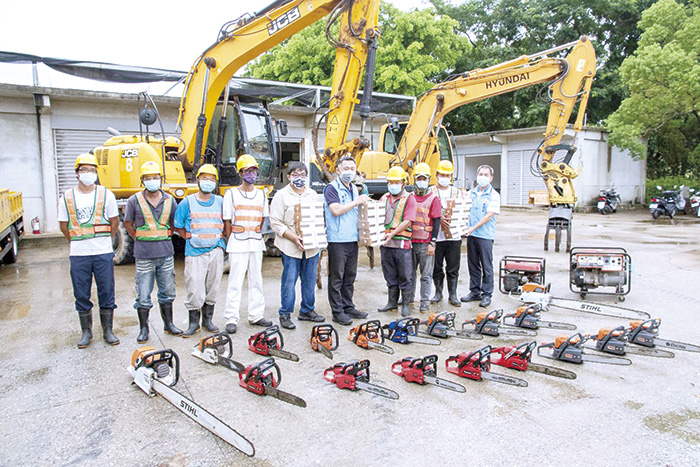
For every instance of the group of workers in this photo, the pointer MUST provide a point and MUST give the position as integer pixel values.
(415, 242)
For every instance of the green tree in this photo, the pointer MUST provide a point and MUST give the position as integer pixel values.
(415, 49)
(504, 29)
(663, 80)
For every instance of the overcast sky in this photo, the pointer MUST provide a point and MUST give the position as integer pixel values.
(156, 33)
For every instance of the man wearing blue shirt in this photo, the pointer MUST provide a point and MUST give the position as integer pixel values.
(199, 219)
(486, 204)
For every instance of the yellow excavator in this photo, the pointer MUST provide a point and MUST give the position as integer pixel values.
(244, 126)
(424, 139)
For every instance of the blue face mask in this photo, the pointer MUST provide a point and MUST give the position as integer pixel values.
(88, 178)
(348, 176)
(207, 186)
(299, 182)
(395, 189)
(152, 185)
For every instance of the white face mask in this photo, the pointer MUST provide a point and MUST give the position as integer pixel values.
(422, 184)
(483, 181)
(444, 181)
(88, 178)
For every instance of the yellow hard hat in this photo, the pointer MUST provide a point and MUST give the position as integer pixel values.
(208, 169)
(446, 167)
(86, 159)
(421, 169)
(395, 174)
(150, 168)
(246, 161)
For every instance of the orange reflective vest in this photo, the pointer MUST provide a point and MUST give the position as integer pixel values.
(97, 226)
(206, 223)
(423, 225)
(394, 216)
(247, 218)
(154, 230)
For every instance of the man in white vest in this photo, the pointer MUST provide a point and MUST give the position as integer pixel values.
(88, 217)
(244, 209)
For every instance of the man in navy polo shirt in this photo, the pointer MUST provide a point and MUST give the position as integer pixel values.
(486, 204)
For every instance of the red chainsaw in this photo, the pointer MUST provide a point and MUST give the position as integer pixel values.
(614, 341)
(324, 339)
(268, 342)
(443, 325)
(488, 324)
(423, 371)
(645, 333)
(369, 335)
(520, 358)
(477, 366)
(260, 379)
(570, 349)
(355, 376)
(528, 317)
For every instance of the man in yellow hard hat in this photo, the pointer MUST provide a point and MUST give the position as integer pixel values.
(425, 232)
(397, 257)
(244, 209)
(340, 202)
(447, 250)
(88, 217)
(148, 219)
(199, 219)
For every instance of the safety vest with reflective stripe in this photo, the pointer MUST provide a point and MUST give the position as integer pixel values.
(206, 223)
(248, 217)
(394, 216)
(423, 225)
(97, 226)
(154, 230)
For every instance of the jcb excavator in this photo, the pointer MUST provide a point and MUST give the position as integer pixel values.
(245, 127)
(424, 139)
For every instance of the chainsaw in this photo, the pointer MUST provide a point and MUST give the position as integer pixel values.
(260, 379)
(488, 324)
(405, 330)
(263, 379)
(355, 376)
(324, 339)
(369, 335)
(157, 371)
(538, 294)
(443, 325)
(476, 366)
(570, 349)
(528, 317)
(614, 341)
(645, 333)
(268, 342)
(520, 358)
(423, 371)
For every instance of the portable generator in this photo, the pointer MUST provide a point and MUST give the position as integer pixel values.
(515, 271)
(591, 268)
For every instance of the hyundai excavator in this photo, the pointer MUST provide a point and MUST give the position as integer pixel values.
(424, 139)
(245, 127)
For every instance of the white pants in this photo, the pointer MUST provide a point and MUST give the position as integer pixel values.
(203, 278)
(239, 264)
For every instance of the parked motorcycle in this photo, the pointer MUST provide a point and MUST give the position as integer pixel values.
(695, 202)
(669, 203)
(608, 200)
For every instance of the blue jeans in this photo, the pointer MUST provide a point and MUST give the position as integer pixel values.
(295, 268)
(82, 268)
(160, 270)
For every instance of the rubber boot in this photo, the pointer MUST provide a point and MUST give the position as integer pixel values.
(166, 312)
(405, 305)
(452, 291)
(142, 313)
(194, 324)
(392, 300)
(438, 293)
(207, 315)
(106, 317)
(86, 326)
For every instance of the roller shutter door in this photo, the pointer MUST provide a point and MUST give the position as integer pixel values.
(68, 144)
(520, 180)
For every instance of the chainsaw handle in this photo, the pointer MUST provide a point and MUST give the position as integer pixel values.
(215, 340)
(471, 321)
(397, 367)
(262, 369)
(167, 356)
(495, 315)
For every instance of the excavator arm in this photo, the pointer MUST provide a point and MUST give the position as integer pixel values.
(251, 36)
